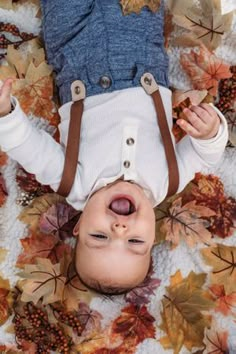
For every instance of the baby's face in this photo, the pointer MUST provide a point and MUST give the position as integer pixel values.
(115, 235)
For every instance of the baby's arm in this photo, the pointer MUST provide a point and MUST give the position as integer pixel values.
(204, 144)
(34, 149)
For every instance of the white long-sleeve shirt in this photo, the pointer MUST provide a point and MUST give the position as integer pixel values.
(117, 127)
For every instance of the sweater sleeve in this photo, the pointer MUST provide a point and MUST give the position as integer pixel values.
(195, 155)
(32, 148)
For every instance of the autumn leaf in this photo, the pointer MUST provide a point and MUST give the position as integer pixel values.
(74, 291)
(3, 158)
(31, 214)
(43, 280)
(43, 246)
(216, 341)
(142, 293)
(60, 220)
(225, 304)
(129, 6)
(168, 27)
(28, 183)
(3, 190)
(209, 191)
(205, 69)
(185, 222)
(222, 259)
(205, 22)
(89, 319)
(135, 323)
(182, 317)
(179, 97)
(5, 300)
(33, 84)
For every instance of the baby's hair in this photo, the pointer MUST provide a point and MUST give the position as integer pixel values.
(106, 290)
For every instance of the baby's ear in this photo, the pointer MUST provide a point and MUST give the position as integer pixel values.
(76, 229)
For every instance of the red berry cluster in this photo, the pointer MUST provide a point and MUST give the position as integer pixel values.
(33, 326)
(14, 30)
(70, 319)
(227, 92)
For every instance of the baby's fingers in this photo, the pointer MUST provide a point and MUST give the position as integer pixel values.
(5, 91)
(188, 128)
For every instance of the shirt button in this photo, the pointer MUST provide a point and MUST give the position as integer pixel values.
(130, 141)
(126, 164)
(105, 82)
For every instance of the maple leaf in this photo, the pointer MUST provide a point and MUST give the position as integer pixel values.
(179, 97)
(74, 291)
(182, 317)
(135, 323)
(222, 259)
(28, 183)
(209, 191)
(216, 342)
(205, 22)
(89, 319)
(168, 27)
(43, 280)
(3, 190)
(141, 294)
(31, 214)
(43, 246)
(59, 219)
(33, 84)
(129, 6)
(185, 221)
(3, 158)
(224, 303)
(5, 300)
(205, 69)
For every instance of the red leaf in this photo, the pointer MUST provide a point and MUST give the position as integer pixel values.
(135, 322)
(224, 303)
(3, 190)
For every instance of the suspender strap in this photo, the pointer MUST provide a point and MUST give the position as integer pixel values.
(149, 84)
(72, 149)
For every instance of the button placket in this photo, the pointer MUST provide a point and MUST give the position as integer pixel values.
(128, 150)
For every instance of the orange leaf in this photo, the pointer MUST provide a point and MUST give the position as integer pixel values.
(205, 69)
(3, 158)
(129, 6)
(44, 246)
(224, 303)
(5, 300)
(185, 222)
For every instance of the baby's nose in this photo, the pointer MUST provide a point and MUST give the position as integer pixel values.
(119, 226)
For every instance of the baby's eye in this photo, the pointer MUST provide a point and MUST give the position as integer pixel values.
(133, 240)
(98, 236)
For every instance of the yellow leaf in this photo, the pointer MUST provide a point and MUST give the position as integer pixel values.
(129, 6)
(182, 317)
(3, 253)
(18, 61)
(222, 260)
(31, 214)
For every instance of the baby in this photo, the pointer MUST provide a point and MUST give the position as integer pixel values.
(124, 167)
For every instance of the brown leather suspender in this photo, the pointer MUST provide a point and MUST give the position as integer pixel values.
(73, 139)
(72, 151)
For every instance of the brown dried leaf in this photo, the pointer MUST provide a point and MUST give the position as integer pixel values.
(43, 280)
(183, 320)
(185, 222)
(206, 22)
(222, 260)
(31, 214)
(129, 6)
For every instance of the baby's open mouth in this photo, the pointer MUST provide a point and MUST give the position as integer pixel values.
(122, 206)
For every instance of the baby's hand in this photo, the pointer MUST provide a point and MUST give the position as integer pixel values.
(203, 121)
(5, 97)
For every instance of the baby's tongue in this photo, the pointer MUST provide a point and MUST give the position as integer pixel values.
(120, 206)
